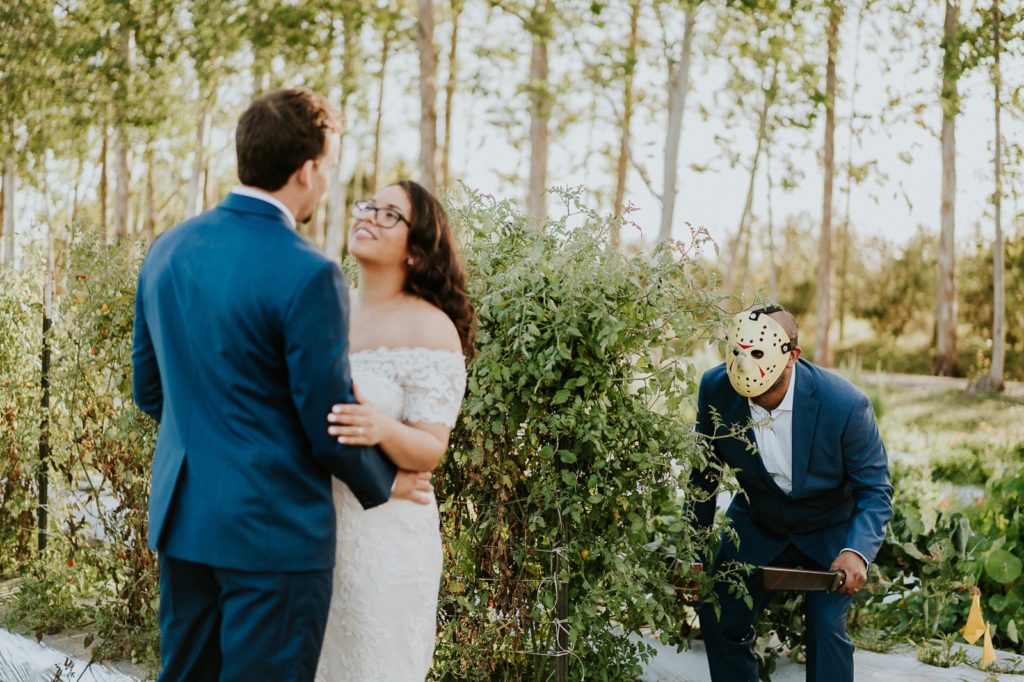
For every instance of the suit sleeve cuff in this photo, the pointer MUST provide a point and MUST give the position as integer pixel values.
(867, 563)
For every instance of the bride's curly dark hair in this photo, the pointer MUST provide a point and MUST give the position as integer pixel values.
(436, 273)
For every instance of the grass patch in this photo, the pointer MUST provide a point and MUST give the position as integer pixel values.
(46, 602)
(945, 434)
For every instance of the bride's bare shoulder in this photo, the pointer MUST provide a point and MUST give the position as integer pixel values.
(428, 326)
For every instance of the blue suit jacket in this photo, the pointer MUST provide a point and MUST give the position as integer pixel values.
(240, 348)
(841, 495)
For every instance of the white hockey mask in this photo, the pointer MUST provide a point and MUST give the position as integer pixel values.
(757, 351)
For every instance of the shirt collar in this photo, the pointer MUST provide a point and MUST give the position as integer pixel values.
(254, 193)
(787, 401)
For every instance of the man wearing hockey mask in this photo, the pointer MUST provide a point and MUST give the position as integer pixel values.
(760, 352)
(816, 492)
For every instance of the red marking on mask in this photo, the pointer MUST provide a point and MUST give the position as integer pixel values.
(762, 372)
(744, 347)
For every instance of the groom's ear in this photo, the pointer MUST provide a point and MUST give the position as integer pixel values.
(304, 174)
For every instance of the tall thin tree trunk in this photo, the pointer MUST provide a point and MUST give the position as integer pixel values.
(627, 116)
(3, 204)
(315, 227)
(385, 52)
(206, 185)
(149, 207)
(998, 266)
(540, 112)
(428, 95)
(334, 230)
(946, 360)
(358, 180)
(679, 88)
(847, 230)
(335, 220)
(122, 173)
(260, 73)
(138, 214)
(9, 227)
(742, 242)
(194, 198)
(44, 186)
(104, 189)
(73, 215)
(844, 241)
(773, 273)
(121, 168)
(449, 92)
(823, 353)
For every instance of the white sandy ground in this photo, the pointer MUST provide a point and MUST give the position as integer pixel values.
(900, 664)
(22, 659)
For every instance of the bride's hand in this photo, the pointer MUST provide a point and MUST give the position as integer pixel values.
(358, 423)
(413, 486)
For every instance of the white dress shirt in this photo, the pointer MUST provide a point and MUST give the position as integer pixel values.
(773, 431)
(254, 193)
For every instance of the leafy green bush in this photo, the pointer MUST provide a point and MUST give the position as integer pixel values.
(1000, 521)
(105, 444)
(972, 463)
(21, 323)
(49, 598)
(932, 557)
(921, 577)
(563, 479)
(100, 449)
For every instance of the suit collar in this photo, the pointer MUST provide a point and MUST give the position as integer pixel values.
(245, 200)
(805, 417)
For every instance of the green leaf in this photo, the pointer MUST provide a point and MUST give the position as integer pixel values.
(1011, 631)
(1003, 567)
(912, 550)
(961, 534)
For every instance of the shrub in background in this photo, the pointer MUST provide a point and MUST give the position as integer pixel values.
(101, 449)
(105, 444)
(21, 324)
(999, 519)
(562, 482)
(933, 556)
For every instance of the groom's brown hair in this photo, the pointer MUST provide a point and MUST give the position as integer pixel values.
(279, 132)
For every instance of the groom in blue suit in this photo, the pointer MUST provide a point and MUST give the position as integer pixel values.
(815, 491)
(239, 351)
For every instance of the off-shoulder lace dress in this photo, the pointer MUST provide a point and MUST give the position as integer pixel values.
(383, 614)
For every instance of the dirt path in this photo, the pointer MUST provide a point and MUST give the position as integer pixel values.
(1013, 389)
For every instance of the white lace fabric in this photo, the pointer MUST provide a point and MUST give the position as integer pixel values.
(383, 614)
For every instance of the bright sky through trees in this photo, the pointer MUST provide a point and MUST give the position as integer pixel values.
(490, 150)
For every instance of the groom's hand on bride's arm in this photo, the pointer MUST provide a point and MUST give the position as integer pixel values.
(413, 486)
(358, 423)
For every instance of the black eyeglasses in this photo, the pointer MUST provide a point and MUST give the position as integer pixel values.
(383, 217)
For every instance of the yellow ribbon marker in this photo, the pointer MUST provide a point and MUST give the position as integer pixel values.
(988, 652)
(975, 626)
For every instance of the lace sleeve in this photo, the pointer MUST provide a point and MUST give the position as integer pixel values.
(434, 388)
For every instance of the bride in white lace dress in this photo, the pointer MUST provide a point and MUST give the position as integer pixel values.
(411, 326)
